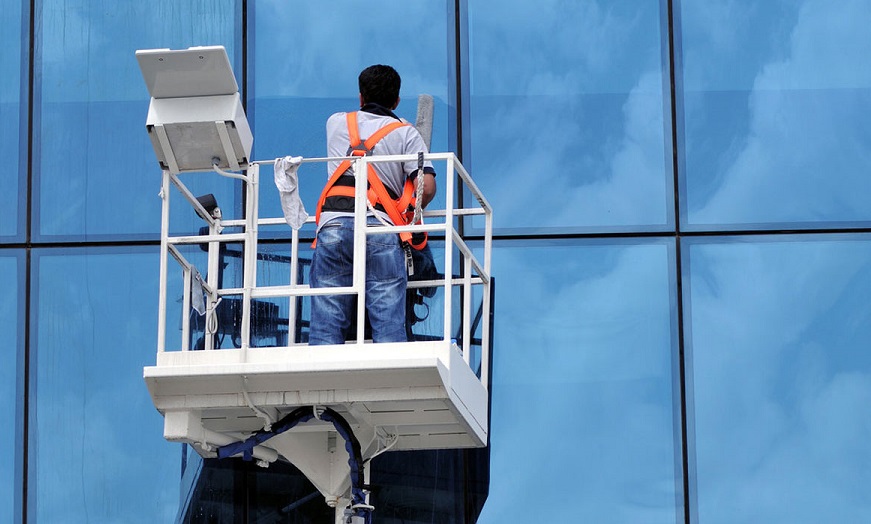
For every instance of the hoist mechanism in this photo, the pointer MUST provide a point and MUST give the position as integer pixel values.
(235, 377)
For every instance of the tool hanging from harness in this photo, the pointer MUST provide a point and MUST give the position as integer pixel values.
(340, 188)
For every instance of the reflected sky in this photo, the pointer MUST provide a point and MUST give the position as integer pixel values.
(569, 113)
(308, 65)
(298, 82)
(95, 162)
(782, 379)
(10, 58)
(570, 132)
(90, 410)
(583, 355)
(776, 93)
(9, 327)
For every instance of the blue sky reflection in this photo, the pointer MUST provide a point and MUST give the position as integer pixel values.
(782, 379)
(10, 57)
(298, 82)
(776, 94)
(95, 324)
(9, 327)
(582, 419)
(569, 113)
(87, 124)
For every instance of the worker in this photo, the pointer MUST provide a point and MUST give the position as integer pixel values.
(375, 130)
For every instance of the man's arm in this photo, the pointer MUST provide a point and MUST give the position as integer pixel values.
(429, 188)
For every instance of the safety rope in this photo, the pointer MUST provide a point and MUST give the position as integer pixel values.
(418, 200)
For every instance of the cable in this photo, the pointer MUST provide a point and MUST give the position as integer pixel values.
(302, 414)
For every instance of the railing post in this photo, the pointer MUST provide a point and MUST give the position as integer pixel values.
(467, 309)
(449, 246)
(359, 277)
(294, 277)
(164, 254)
(212, 279)
(186, 310)
(486, 302)
(249, 261)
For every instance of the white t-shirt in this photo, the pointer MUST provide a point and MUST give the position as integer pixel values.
(402, 141)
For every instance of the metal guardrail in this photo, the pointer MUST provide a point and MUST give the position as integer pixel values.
(474, 271)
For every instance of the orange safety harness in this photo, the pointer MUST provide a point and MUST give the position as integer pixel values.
(400, 209)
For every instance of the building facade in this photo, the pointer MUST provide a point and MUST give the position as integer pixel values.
(683, 253)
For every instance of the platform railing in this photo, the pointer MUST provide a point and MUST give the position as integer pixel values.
(475, 270)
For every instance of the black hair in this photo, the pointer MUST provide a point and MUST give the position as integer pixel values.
(379, 84)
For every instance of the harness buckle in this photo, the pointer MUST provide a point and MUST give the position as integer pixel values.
(409, 260)
(359, 150)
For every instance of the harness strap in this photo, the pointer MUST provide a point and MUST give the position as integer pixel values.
(397, 209)
(369, 144)
(393, 211)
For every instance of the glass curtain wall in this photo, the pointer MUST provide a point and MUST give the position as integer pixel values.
(781, 374)
(95, 440)
(774, 139)
(775, 95)
(570, 114)
(11, 381)
(94, 168)
(682, 258)
(296, 83)
(583, 417)
(13, 42)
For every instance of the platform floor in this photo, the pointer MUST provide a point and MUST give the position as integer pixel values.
(423, 392)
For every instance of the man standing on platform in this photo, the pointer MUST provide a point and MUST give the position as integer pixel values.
(373, 130)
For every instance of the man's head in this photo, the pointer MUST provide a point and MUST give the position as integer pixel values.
(379, 84)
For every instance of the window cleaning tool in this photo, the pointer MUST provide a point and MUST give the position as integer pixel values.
(423, 124)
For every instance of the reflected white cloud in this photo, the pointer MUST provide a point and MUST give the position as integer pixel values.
(803, 155)
(316, 49)
(780, 372)
(558, 48)
(582, 405)
(561, 137)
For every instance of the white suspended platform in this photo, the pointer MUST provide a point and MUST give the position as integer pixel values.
(417, 395)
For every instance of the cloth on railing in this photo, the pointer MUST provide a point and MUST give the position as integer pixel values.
(287, 182)
(198, 302)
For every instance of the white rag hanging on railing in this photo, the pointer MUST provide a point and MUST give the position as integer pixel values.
(287, 182)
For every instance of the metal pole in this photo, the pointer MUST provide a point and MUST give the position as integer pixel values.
(212, 279)
(467, 309)
(449, 246)
(294, 277)
(186, 311)
(359, 275)
(249, 269)
(164, 233)
(488, 286)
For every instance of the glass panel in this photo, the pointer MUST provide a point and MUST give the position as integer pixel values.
(584, 419)
(97, 453)
(97, 171)
(10, 349)
(299, 82)
(10, 97)
(776, 94)
(782, 377)
(570, 113)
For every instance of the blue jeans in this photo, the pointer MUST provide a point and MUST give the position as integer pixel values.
(386, 280)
